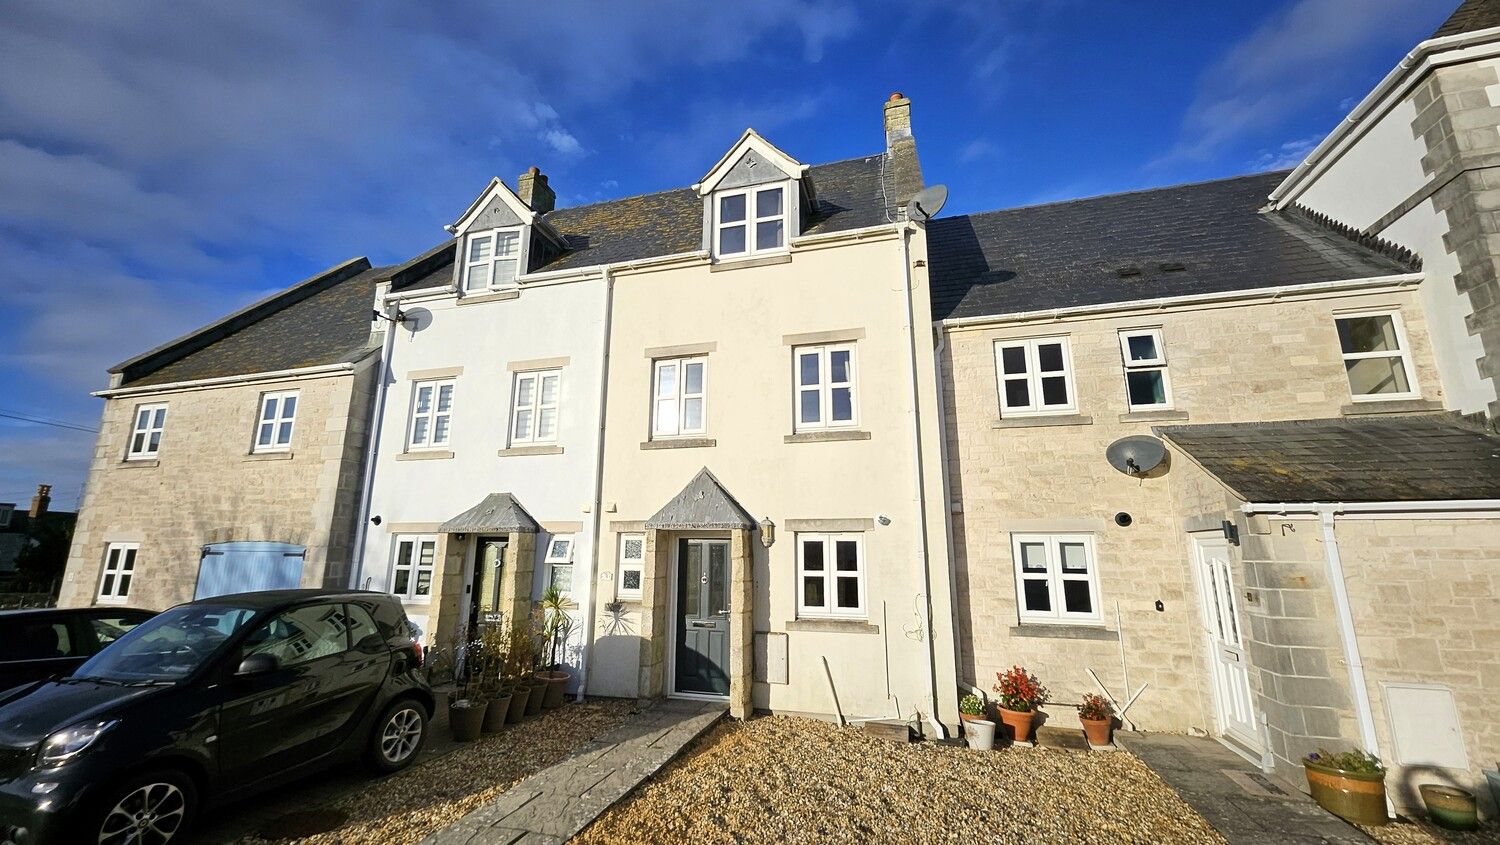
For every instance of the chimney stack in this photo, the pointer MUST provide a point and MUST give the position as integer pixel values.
(533, 190)
(41, 500)
(897, 119)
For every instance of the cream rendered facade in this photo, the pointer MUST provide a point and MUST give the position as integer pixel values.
(1258, 356)
(895, 656)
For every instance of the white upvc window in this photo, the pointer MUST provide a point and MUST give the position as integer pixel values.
(831, 576)
(560, 562)
(412, 567)
(1147, 387)
(1057, 579)
(431, 414)
(679, 392)
(750, 221)
(146, 430)
(1377, 358)
(492, 259)
(1035, 376)
(273, 428)
(825, 377)
(632, 566)
(119, 571)
(533, 417)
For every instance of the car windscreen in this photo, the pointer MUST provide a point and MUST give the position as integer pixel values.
(169, 646)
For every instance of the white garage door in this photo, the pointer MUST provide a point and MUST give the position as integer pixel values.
(249, 567)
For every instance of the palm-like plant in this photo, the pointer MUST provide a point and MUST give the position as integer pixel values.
(557, 624)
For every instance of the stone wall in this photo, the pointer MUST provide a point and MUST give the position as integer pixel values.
(206, 486)
(1237, 363)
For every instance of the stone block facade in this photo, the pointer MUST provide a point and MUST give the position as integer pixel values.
(206, 486)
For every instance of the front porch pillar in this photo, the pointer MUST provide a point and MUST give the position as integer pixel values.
(653, 636)
(520, 561)
(741, 628)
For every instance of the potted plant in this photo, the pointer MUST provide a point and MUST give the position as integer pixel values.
(971, 709)
(556, 625)
(496, 691)
(1097, 716)
(1351, 785)
(466, 704)
(1019, 694)
(1450, 807)
(517, 664)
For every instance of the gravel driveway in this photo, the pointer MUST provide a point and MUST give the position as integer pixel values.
(780, 779)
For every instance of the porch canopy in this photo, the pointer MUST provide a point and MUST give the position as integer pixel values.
(498, 513)
(702, 505)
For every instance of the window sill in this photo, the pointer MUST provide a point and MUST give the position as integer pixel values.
(140, 462)
(825, 436)
(1043, 421)
(681, 443)
(112, 600)
(518, 451)
(833, 626)
(490, 296)
(425, 455)
(1154, 416)
(1064, 632)
(1390, 406)
(425, 601)
(752, 261)
(268, 456)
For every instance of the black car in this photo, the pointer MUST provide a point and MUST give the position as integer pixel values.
(209, 701)
(37, 644)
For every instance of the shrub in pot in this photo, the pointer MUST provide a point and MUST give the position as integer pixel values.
(1097, 716)
(1019, 694)
(467, 704)
(490, 661)
(556, 625)
(519, 648)
(1351, 784)
(971, 709)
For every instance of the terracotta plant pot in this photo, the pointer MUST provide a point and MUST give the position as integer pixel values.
(496, 711)
(1450, 807)
(1353, 796)
(557, 687)
(519, 695)
(1019, 722)
(1097, 730)
(536, 690)
(980, 734)
(973, 717)
(465, 719)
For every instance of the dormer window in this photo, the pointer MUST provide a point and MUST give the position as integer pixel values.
(493, 259)
(751, 221)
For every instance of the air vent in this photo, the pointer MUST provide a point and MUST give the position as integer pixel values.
(1172, 266)
(1127, 272)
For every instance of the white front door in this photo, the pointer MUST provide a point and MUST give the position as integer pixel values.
(1226, 645)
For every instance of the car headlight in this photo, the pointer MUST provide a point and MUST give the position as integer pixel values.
(68, 743)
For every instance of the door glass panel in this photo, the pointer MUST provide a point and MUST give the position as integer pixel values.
(1234, 622)
(718, 579)
(692, 577)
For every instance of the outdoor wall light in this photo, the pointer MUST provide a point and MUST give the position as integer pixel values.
(375, 520)
(767, 532)
(883, 519)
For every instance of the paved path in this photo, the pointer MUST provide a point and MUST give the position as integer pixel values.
(557, 802)
(1212, 780)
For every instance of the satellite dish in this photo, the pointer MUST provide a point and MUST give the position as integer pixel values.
(1136, 455)
(927, 203)
(416, 319)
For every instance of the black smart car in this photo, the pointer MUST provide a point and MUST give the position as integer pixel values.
(208, 701)
(37, 644)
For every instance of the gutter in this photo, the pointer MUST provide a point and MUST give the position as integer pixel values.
(598, 504)
(294, 374)
(372, 449)
(1349, 638)
(578, 274)
(1419, 59)
(937, 379)
(921, 492)
(1269, 294)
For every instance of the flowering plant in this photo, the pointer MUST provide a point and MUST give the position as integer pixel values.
(1095, 708)
(970, 705)
(1019, 690)
(1348, 761)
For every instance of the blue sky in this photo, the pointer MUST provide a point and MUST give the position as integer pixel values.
(163, 163)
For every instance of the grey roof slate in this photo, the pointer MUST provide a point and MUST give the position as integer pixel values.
(1377, 459)
(1068, 254)
(498, 512)
(702, 505)
(1470, 16)
(850, 194)
(323, 320)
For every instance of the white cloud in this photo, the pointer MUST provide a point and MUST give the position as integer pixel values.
(1288, 154)
(562, 142)
(977, 149)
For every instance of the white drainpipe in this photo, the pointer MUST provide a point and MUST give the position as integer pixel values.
(361, 525)
(587, 615)
(921, 492)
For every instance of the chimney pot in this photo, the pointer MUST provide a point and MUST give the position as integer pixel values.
(41, 500)
(897, 120)
(897, 95)
(533, 190)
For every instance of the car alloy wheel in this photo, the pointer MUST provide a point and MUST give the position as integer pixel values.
(149, 815)
(402, 734)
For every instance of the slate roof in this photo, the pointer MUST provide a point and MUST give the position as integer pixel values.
(850, 194)
(1470, 16)
(1376, 459)
(703, 504)
(497, 512)
(323, 320)
(1068, 254)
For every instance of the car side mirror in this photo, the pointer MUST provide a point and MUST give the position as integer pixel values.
(256, 664)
